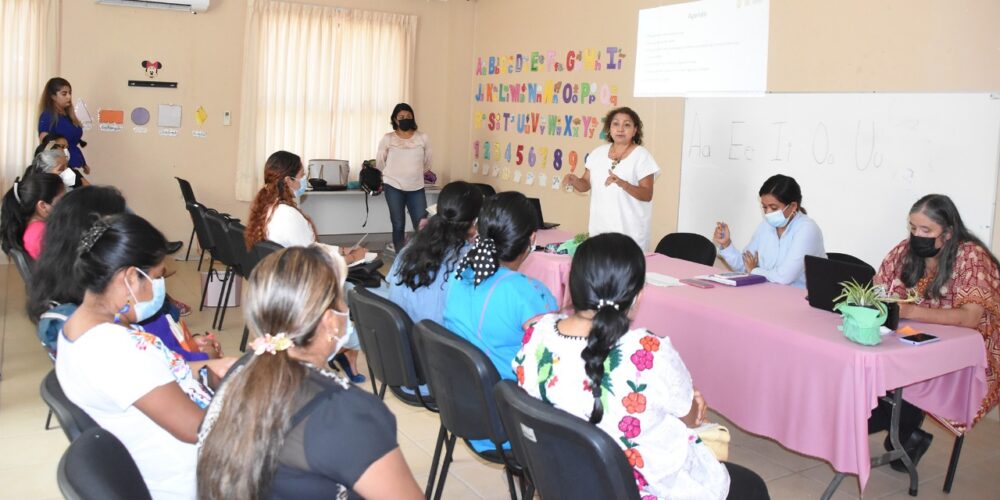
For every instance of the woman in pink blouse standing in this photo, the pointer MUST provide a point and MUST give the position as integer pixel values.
(403, 156)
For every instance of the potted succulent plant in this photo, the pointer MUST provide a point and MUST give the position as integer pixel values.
(863, 310)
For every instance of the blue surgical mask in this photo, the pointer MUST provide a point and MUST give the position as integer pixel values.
(776, 218)
(303, 184)
(148, 309)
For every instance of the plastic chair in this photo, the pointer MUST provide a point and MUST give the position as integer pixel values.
(567, 456)
(224, 252)
(385, 330)
(189, 199)
(687, 246)
(97, 466)
(24, 263)
(850, 259)
(260, 250)
(72, 418)
(197, 212)
(461, 378)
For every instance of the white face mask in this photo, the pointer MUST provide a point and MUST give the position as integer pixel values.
(342, 340)
(68, 177)
(776, 218)
(66, 152)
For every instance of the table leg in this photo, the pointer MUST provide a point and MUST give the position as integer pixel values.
(834, 484)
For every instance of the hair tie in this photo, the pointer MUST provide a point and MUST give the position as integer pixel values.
(17, 196)
(482, 259)
(606, 303)
(92, 236)
(271, 344)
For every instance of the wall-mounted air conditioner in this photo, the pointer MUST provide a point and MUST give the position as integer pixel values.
(194, 6)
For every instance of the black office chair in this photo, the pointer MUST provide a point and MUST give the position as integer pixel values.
(687, 246)
(260, 250)
(385, 331)
(72, 418)
(245, 259)
(189, 199)
(461, 378)
(850, 259)
(487, 190)
(24, 263)
(197, 212)
(97, 466)
(567, 456)
(228, 254)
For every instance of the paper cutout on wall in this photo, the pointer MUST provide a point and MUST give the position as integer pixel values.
(140, 130)
(569, 188)
(110, 120)
(83, 114)
(541, 180)
(168, 132)
(140, 116)
(200, 116)
(475, 167)
(169, 116)
(200, 134)
(556, 182)
(505, 174)
(496, 170)
(529, 179)
(517, 176)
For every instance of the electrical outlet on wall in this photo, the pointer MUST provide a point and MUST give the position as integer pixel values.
(227, 118)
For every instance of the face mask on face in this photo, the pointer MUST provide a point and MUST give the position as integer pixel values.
(68, 177)
(407, 124)
(147, 309)
(923, 246)
(301, 190)
(342, 341)
(66, 152)
(776, 218)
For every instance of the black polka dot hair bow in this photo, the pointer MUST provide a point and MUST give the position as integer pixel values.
(482, 259)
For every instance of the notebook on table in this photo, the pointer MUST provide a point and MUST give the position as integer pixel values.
(537, 204)
(734, 279)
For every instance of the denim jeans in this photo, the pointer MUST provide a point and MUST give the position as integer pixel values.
(399, 202)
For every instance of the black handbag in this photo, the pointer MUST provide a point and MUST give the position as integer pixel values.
(366, 275)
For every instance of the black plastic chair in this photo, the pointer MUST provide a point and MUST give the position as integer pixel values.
(24, 263)
(487, 190)
(461, 378)
(72, 418)
(850, 259)
(567, 456)
(97, 466)
(264, 248)
(189, 199)
(385, 331)
(233, 256)
(197, 212)
(691, 247)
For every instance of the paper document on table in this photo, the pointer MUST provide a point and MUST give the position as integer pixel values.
(657, 279)
(369, 257)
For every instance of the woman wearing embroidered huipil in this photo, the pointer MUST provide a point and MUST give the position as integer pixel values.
(620, 175)
(403, 156)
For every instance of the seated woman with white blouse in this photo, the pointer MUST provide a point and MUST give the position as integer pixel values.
(275, 216)
(778, 247)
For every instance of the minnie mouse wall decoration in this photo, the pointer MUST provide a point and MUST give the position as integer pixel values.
(152, 68)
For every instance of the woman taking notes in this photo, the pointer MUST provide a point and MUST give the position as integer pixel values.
(621, 175)
(782, 240)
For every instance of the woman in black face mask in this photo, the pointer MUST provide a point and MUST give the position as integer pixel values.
(403, 156)
(958, 282)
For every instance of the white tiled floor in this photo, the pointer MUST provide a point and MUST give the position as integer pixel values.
(29, 454)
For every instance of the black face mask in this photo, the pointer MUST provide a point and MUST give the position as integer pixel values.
(923, 246)
(407, 124)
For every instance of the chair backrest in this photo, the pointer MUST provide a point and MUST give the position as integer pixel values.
(186, 191)
(567, 456)
(265, 248)
(247, 259)
(487, 190)
(218, 228)
(97, 466)
(691, 247)
(198, 212)
(850, 259)
(24, 263)
(461, 378)
(72, 418)
(385, 331)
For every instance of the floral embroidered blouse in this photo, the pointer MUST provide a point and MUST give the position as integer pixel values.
(646, 391)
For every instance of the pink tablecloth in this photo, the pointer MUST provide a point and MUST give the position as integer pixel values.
(777, 367)
(549, 268)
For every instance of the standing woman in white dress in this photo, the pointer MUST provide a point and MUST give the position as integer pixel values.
(621, 175)
(403, 156)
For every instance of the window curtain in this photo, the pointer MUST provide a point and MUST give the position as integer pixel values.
(320, 82)
(29, 37)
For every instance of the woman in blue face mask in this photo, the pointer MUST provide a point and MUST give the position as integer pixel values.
(782, 240)
(124, 378)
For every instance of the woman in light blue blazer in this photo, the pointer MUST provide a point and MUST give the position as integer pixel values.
(778, 247)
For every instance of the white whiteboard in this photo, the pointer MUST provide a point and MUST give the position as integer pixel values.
(716, 47)
(862, 160)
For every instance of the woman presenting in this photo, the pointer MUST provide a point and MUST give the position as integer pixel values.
(403, 156)
(621, 174)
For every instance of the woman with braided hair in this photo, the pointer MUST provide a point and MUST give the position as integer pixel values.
(629, 382)
(489, 302)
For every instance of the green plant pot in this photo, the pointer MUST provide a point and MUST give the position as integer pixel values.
(861, 324)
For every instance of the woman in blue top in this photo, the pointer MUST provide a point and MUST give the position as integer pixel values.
(786, 235)
(56, 115)
(418, 280)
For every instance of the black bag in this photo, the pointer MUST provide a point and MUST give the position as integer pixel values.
(371, 183)
(366, 275)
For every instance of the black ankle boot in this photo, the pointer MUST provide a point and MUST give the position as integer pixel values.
(916, 446)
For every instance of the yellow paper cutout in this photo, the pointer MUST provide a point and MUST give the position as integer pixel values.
(200, 116)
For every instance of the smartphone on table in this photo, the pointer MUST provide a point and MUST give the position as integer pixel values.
(919, 339)
(697, 283)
